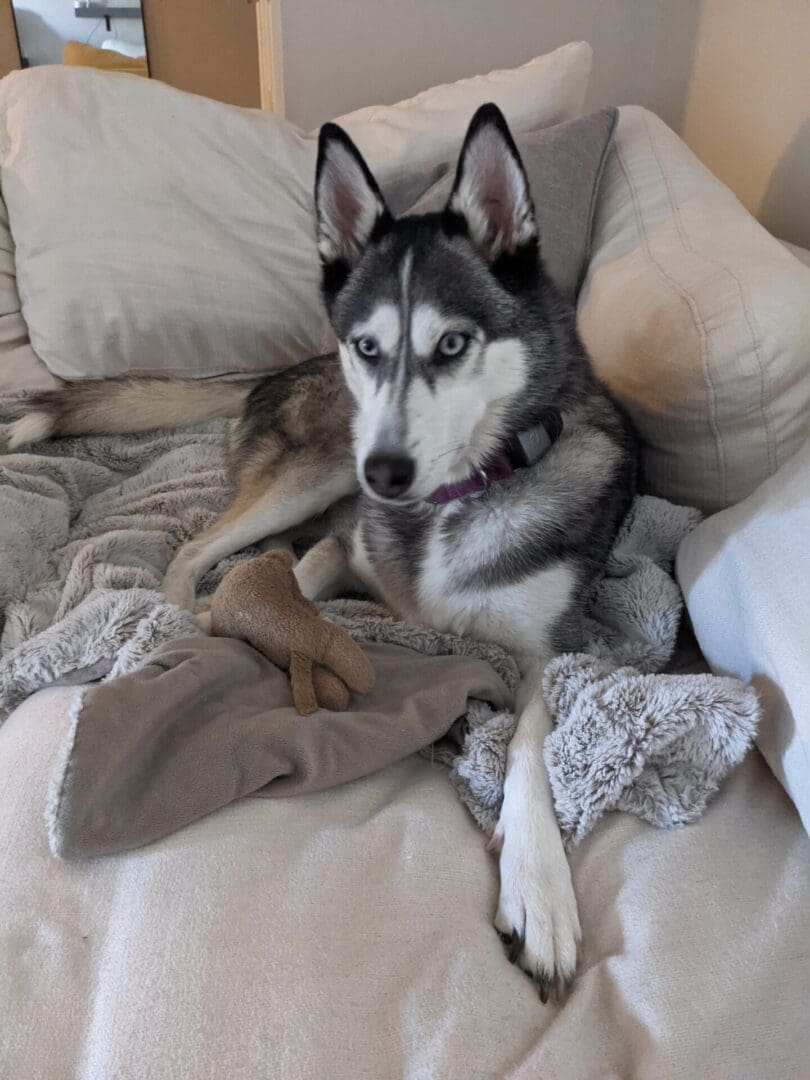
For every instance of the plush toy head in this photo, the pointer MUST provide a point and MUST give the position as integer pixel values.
(259, 601)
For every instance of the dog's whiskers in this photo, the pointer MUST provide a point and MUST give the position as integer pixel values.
(453, 450)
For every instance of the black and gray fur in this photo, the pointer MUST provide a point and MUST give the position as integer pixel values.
(574, 509)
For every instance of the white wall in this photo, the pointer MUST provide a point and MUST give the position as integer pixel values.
(747, 109)
(45, 25)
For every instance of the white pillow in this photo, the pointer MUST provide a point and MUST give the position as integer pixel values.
(158, 232)
(697, 319)
(745, 574)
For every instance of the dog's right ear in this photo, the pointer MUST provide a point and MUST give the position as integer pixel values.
(348, 203)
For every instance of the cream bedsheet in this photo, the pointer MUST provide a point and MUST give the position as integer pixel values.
(348, 935)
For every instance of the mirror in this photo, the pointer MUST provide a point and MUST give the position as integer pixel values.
(87, 33)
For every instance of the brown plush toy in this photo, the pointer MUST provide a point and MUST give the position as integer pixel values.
(259, 602)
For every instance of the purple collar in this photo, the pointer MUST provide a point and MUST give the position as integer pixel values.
(497, 468)
(522, 450)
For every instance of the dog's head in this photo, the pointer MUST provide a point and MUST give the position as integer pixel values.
(442, 337)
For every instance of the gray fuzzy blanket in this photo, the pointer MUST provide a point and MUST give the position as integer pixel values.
(626, 737)
(88, 527)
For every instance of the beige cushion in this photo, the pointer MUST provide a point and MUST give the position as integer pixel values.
(161, 232)
(697, 319)
(150, 227)
(745, 574)
(349, 934)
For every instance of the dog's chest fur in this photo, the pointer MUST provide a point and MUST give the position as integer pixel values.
(426, 587)
(510, 566)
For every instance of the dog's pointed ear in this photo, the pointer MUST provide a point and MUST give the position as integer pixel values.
(348, 203)
(491, 194)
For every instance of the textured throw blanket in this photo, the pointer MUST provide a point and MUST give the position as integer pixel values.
(87, 529)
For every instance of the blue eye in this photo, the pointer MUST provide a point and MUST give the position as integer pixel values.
(368, 348)
(451, 345)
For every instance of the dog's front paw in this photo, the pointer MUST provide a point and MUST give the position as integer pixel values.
(179, 584)
(537, 910)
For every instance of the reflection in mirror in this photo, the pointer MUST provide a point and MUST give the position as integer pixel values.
(87, 33)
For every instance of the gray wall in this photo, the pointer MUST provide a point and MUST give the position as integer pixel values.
(732, 76)
(339, 56)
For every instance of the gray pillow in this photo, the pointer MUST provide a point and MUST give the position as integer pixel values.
(564, 164)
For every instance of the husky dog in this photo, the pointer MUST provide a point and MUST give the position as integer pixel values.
(493, 470)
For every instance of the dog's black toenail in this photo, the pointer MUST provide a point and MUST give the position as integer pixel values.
(505, 938)
(516, 946)
(543, 986)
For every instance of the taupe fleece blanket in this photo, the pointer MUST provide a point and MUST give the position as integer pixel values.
(208, 720)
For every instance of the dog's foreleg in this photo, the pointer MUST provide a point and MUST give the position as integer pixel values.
(280, 504)
(324, 570)
(245, 522)
(537, 910)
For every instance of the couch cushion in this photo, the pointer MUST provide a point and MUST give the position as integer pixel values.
(697, 319)
(161, 232)
(349, 934)
(745, 574)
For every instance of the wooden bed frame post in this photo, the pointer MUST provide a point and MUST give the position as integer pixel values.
(10, 59)
(271, 65)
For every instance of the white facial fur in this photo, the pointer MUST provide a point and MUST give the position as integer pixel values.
(454, 427)
(447, 429)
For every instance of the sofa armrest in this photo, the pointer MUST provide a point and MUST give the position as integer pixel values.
(745, 574)
(697, 319)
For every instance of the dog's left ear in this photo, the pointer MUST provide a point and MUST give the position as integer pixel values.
(349, 205)
(491, 193)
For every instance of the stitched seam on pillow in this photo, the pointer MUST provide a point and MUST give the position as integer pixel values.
(696, 318)
(765, 400)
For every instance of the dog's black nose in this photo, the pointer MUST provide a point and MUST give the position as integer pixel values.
(389, 475)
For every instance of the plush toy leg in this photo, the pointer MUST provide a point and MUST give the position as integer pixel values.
(345, 657)
(330, 690)
(303, 690)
